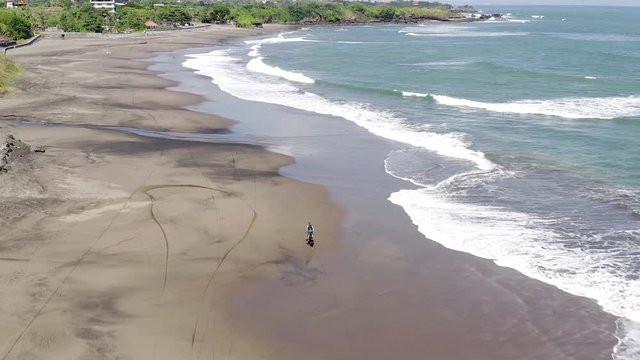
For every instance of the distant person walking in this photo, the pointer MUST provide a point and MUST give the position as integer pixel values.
(310, 232)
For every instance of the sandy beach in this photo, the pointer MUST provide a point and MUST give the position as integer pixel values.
(120, 246)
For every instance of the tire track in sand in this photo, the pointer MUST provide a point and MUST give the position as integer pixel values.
(226, 254)
(147, 191)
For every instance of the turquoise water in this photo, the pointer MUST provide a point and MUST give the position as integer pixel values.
(523, 134)
(501, 62)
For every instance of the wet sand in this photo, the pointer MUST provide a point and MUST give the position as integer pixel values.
(116, 245)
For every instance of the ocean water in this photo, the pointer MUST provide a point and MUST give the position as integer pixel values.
(522, 134)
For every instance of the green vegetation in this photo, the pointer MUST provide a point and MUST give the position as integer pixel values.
(14, 25)
(81, 16)
(9, 72)
(311, 12)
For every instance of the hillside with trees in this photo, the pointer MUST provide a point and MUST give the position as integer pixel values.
(82, 17)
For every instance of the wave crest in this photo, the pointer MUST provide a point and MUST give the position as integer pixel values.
(228, 73)
(516, 240)
(258, 66)
(455, 31)
(278, 39)
(570, 108)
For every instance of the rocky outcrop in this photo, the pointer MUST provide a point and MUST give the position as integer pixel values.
(12, 150)
(490, 16)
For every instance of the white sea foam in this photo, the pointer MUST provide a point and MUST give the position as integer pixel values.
(590, 77)
(281, 38)
(628, 334)
(255, 50)
(257, 65)
(442, 64)
(437, 29)
(469, 34)
(524, 243)
(455, 31)
(414, 94)
(571, 108)
(506, 18)
(229, 74)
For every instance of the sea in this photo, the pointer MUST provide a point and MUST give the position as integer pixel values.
(519, 136)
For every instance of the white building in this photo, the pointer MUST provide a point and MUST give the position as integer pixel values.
(104, 4)
(17, 3)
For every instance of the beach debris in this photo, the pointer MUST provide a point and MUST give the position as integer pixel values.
(39, 150)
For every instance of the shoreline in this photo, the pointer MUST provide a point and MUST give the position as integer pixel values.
(364, 224)
(381, 274)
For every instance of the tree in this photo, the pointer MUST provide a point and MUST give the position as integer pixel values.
(173, 15)
(243, 17)
(14, 25)
(358, 8)
(92, 22)
(330, 12)
(218, 14)
(131, 18)
(39, 18)
(298, 11)
(68, 22)
(387, 13)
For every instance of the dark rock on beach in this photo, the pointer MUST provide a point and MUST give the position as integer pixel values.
(13, 150)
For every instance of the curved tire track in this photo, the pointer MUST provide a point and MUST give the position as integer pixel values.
(147, 189)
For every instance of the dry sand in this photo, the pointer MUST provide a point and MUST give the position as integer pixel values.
(115, 246)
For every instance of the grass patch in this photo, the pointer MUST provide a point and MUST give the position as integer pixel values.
(9, 73)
